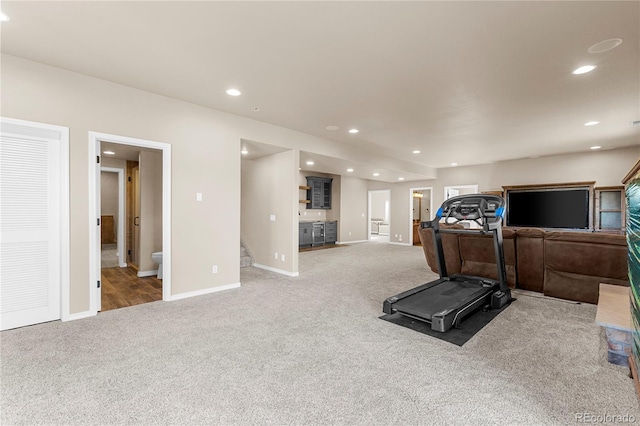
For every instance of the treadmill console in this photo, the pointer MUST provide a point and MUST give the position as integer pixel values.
(477, 207)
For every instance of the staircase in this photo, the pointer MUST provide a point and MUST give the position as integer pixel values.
(245, 256)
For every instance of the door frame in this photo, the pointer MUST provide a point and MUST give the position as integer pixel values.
(121, 247)
(94, 209)
(421, 188)
(53, 132)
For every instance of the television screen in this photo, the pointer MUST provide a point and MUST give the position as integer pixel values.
(557, 208)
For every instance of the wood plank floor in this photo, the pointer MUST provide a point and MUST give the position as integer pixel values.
(121, 287)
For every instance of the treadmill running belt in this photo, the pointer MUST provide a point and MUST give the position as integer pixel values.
(445, 296)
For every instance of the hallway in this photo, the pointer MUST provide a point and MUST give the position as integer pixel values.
(121, 287)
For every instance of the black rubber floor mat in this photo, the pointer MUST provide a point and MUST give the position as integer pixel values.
(458, 336)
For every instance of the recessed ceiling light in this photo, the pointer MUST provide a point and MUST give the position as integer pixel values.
(3, 17)
(108, 152)
(233, 92)
(244, 152)
(595, 147)
(454, 164)
(417, 151)
(332, 128)
(353, 131)
(605, 45)
(376, 174)
(310, 163)
(349, 170)
(400, 178)
(584, 69)
(591, 123)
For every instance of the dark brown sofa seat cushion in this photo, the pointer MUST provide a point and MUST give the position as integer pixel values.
(576, 263)
(530, 259)
(449, 246)
(479, 259)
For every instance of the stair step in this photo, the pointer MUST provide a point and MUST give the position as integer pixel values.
(245, 261)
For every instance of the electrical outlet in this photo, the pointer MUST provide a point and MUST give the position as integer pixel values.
(396, 236)
(214, 269)
(282, 257)
(198, 196)
(272, 218)
(276, 256)
(319, 213)
(400, 237)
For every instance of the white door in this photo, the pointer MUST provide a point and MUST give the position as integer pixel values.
(31, 223)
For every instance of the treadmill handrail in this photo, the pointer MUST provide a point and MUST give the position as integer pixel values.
(481, 202)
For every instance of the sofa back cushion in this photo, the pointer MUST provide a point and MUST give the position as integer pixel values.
(479, 259)
(576, 263)
(449, 245)
(530, 258)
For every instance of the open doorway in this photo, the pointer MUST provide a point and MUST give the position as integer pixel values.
(379, 215)
(130, 197)
(421, 208)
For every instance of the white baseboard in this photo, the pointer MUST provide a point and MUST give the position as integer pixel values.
(201, 292)
(77, 316)
(276, 270)
(123, 265)
(351, 242)
(401, 244)
(147, 273)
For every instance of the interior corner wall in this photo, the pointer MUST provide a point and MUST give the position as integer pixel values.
(352, 225)
(270, 188)
(150, 208)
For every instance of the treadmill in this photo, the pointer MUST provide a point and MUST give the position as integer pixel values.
(445, 302)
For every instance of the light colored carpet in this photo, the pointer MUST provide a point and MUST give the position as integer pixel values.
(311, 350)
(109, 256)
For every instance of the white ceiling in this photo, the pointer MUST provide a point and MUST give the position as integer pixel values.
(464, 82)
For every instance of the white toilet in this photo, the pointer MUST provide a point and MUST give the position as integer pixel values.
(157, 257)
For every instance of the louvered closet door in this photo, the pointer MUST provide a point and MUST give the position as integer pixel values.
(30, 223)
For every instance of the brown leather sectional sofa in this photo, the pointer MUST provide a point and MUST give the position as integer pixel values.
(562, 264)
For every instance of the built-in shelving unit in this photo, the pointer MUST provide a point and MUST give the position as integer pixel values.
(304, 188)
(610, 208)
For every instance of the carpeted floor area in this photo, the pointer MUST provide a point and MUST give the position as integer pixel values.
(109, 255)
(311, 350)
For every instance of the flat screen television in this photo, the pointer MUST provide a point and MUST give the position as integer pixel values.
(549, 208)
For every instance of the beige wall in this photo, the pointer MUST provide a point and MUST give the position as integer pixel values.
(150, 208)
(606, 168)
(109, 198)
(352, 225)
(270, 187)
